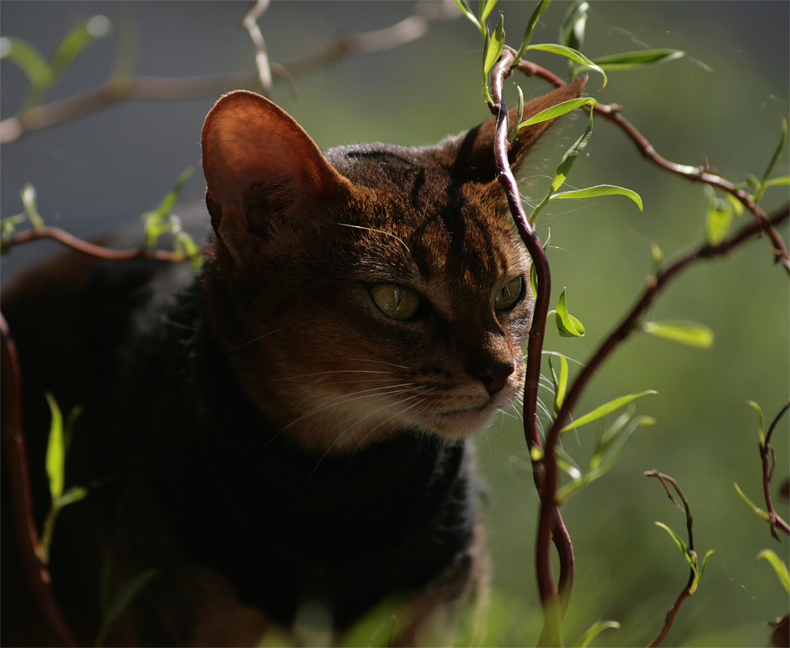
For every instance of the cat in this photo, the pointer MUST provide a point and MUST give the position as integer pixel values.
(289, 430)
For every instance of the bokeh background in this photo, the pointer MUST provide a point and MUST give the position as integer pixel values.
(723, 102)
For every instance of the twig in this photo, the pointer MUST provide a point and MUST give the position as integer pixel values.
(19, 485)
(163, 88)
(92, 249)
(767, 451)
(250, 23)
(673, 611)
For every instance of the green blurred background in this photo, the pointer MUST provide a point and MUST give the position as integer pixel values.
(723, 102)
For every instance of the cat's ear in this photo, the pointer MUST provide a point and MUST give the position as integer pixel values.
(263, 172)
(473, 152)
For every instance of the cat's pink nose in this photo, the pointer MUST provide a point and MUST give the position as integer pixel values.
(495, 376)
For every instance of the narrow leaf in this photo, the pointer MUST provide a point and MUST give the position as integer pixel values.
(564, 167)
(560, 383)
(574, 25)
(718, 217)
(638, 59)
(761, 418)
(597, 628)
(28, 59)
(461, 4)
(519, 115)
(56, 454)
(558, 110)
(490, 4)
(572, 54)
(751, 504)
(567, 325)
(775, 182)
(777, 153)
(533, 20)
(533, 281)
(678, 541)
(601, 190)
(689, 333)
(73, 494)
(606, 408)
(75, 41)
(31, 210)
(120, 602)
(779, 567)
(494, 45)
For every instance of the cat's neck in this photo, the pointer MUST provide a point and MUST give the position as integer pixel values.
(248, 502)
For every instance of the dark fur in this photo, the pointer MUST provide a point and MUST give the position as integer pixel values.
(192, 475)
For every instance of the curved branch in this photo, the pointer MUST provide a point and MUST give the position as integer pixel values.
(19, 485)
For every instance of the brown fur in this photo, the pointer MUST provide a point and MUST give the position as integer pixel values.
(270, 416)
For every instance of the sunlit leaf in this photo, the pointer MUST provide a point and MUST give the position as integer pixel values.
(28, 59)
(600, 190)
(699, 570)
(489, 5)
(567, 324)
(718, 217)
(533, 20)
(775, 158)
(557, 110)
(533, 280)
(597, 628)
(751, 504)
(519, 115)
(688, 333)
(28, 196)
(570, 53)
(56, 453)
(761, 419)
(494, 45)
(461, 4)
(75, 41)
(779, 567)
(638, 59)
(564, 167)
(606, 408)
(560, 382)
(678, 540)
(574, 24)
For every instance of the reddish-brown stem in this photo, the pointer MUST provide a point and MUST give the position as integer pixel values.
(693, 173)
(19, 486)
(91, 248)
(766, 454)
(664, 480)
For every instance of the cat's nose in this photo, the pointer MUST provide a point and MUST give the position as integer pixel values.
(495, 375)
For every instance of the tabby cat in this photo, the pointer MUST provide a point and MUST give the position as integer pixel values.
(289, 430)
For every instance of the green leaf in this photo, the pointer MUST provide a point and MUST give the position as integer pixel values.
(558, 110)
(574, 24)
(494, 45)
(533, 20)
(597, 628)
(657, 255)
(560, 382)
(564, 167)
(519, 115)
(699, 570)
(461, 4)
(606, 408)
(600, 190)
(638, 59)
(28, 196)
(761, 418)
(533, 280)
(75, 41)
(689, 333)
(754, 508)
(120, 602)
(567, 325)
(678, 540)
(73, 494)
(718, 217)
(779, 567)
(775, 157)
(489, 5)
(56, 453)
(572, 54)
(28, 59)
(783, 180)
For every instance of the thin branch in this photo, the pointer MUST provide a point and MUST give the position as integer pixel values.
(92, 249)
(19, 485)
(250, 23)
(164, 88)
(686, 592)
(766, 451)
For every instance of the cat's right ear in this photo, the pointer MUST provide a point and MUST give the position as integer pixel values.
(264, 174)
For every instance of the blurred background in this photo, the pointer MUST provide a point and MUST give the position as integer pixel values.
(723, 102)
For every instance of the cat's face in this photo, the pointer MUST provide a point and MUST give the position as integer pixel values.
(366, 291)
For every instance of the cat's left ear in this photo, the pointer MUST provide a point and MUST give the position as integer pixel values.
(471, 154)
(265, 176)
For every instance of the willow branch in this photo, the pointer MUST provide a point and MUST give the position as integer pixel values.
(19, 485)
(768, 459)
(686, 592)
(91, 249)
(169, 88)
(693, 173)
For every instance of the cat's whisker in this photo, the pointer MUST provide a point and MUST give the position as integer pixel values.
(378, 231)
(252, 341)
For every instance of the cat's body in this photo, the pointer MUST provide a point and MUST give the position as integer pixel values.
(288, 431)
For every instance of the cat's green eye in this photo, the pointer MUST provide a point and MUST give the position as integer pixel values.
(510, 295)
(397, 302)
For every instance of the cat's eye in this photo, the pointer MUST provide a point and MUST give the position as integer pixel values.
(510, 295)
(395, 301)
